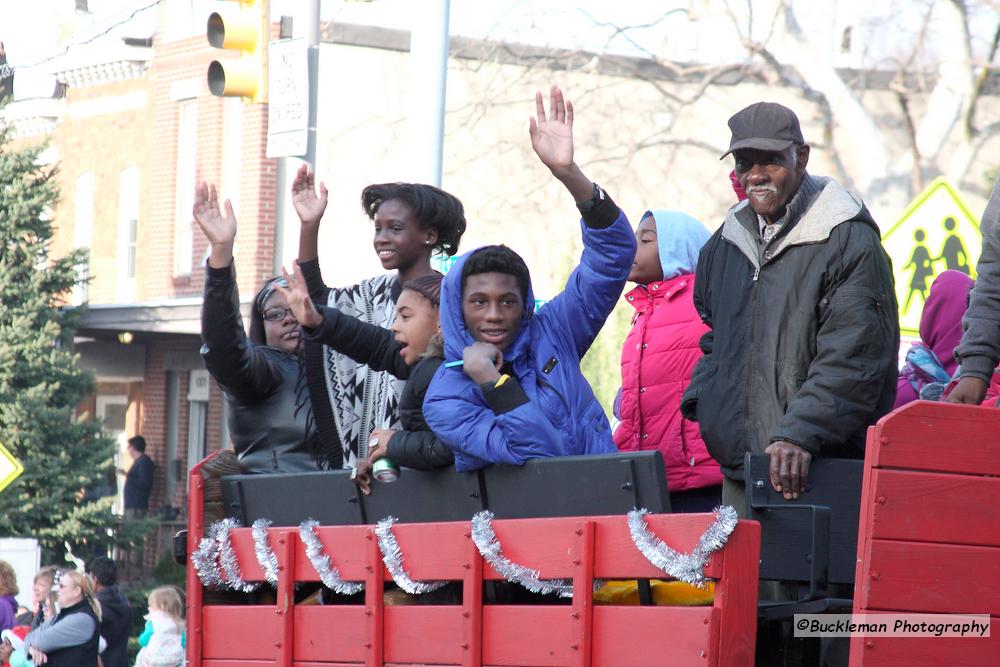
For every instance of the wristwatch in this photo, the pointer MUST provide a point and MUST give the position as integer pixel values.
(596, 198)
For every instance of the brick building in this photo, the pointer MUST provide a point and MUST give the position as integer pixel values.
(132, 128)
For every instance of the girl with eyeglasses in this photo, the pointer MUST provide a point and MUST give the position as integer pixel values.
(262, 375)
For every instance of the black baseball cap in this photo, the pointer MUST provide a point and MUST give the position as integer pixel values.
(765, 126)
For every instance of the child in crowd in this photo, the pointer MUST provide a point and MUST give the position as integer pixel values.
(411, 222)
(519, 393)
(11, 644)
(411, 350)
(659, 355)
(930, 363)
(162, 640)
(262, 375)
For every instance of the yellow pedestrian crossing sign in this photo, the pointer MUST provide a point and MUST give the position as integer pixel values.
(935, 233)
(10, 468)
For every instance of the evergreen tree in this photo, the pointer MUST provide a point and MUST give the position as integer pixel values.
(41, 385)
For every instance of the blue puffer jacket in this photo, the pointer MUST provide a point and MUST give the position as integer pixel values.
(562, 416)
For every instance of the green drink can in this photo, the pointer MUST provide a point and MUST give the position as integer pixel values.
(385, 470)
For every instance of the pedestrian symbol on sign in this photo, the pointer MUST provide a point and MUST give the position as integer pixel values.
(935, 233)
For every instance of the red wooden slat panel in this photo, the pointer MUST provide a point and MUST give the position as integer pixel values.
(434, 551)
(616, 556)
(932, 578)
(652, 636)
(541, 544)
(940, 437)
(527, 636)
(227, 632)
(241, 663)
(936, 507)
(928, 651)
(424, 634)
(330, 633)
(733, 638)
(346, 546)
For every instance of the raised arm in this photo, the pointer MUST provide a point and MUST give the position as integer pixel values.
(231, 359)
(365, 343)
(594, 287)
(310, 206)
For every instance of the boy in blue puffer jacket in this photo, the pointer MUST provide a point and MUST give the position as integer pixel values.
(519, 392)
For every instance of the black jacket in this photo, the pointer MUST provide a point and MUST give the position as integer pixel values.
(83, 654)
(116, 625)
(139, 483)
(268, 408)
(805, 331)
(415, 446)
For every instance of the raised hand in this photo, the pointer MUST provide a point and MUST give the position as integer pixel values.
(298, 300)
(552, 135)
(308, 205)
(218, 228)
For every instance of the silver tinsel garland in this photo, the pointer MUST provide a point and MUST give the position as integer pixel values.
(227, 558)
(205, 560)
(262, 548)
(492, 552)
(392, 556)
(328, 574)
(689, 568)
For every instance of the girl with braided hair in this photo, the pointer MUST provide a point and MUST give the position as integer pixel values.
(411, 222)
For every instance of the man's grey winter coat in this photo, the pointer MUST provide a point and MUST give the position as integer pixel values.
(805, 332)
(979, 351)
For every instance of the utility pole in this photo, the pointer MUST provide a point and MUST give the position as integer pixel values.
(428, 84)
(310, 21)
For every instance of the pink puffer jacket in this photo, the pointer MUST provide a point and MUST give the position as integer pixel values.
(657, 359)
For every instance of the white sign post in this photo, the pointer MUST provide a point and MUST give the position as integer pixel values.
(288, 98)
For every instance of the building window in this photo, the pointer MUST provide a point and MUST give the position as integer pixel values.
(83, 233)
(128, 231)
(187, 138)
(81, 6)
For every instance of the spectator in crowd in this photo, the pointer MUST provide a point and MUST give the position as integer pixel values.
(42, 587)
(139, 482)
(930, 362)
(8, 591)
(798, 293)
(116, 613)
(11, 642)
(979, 351)
(262, 375)
(72, 637)
(411, 223)
(519, 393)
(162, 640)
(411, 350)
(659, 355)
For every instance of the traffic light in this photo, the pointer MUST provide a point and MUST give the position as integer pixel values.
(244, 26)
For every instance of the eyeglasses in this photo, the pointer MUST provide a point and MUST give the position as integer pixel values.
(277, 314)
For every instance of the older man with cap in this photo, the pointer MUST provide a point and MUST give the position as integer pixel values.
(798, 292)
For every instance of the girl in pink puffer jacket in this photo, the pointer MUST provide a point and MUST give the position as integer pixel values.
(659, 355)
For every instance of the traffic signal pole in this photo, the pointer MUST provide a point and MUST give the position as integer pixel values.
(429, 42)
(312, 41)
